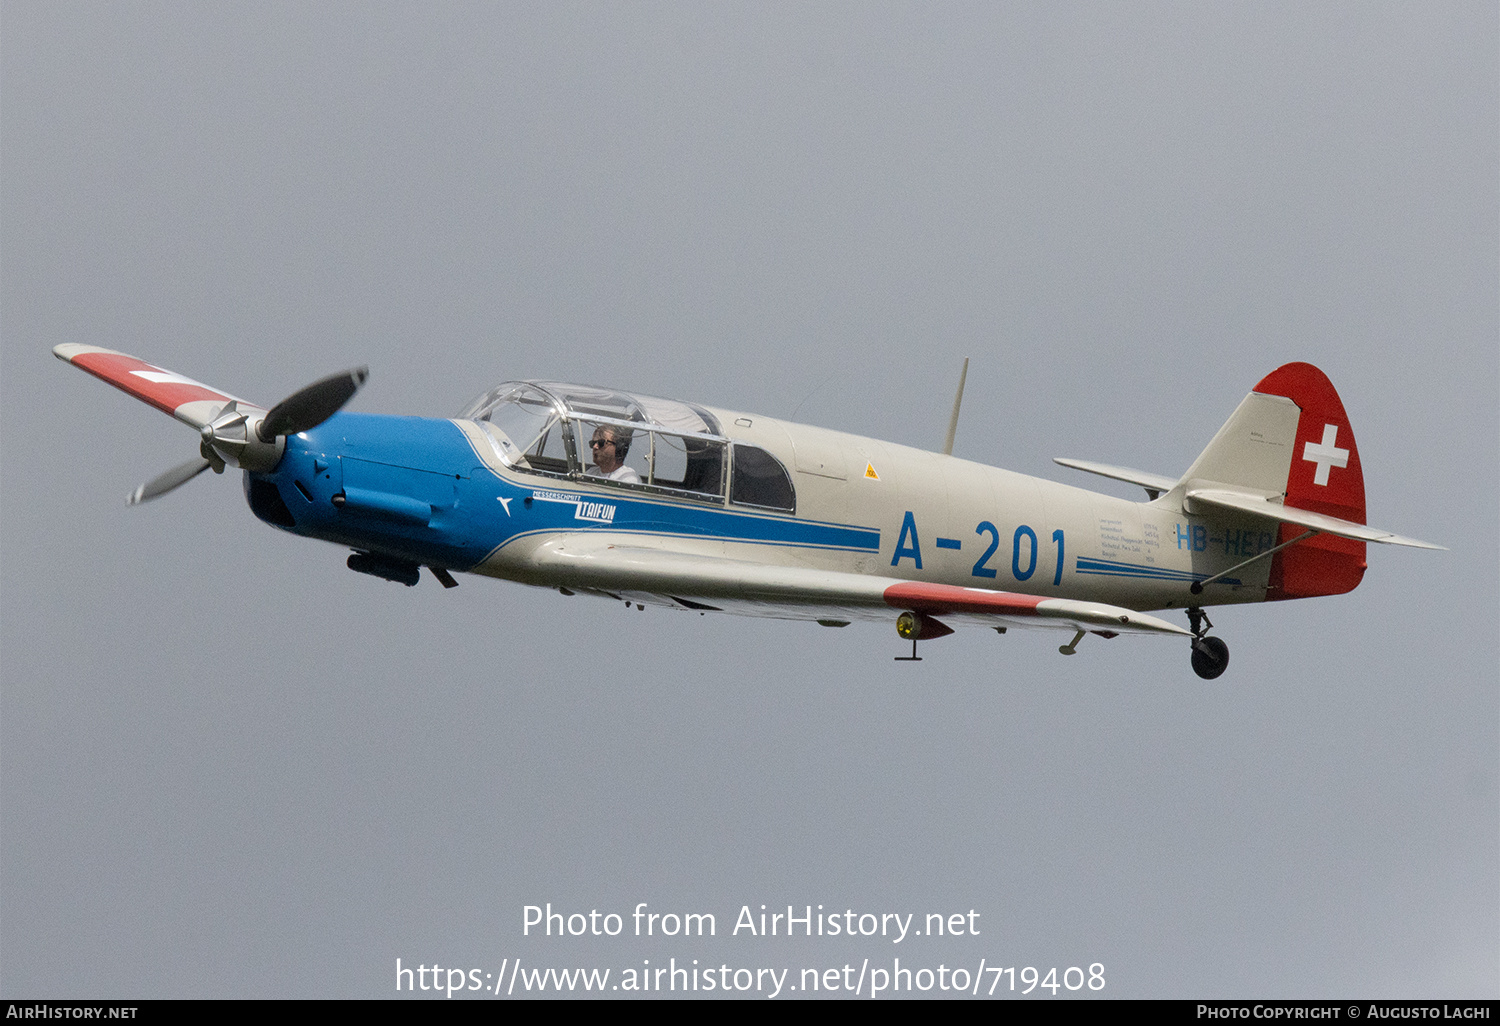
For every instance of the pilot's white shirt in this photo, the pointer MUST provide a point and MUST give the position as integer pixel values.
(620, 473)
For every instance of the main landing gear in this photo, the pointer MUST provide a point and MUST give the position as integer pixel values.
(1210, 655)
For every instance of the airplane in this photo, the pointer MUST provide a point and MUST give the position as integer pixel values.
(652, 501)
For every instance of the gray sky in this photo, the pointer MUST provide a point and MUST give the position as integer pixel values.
(230, 767)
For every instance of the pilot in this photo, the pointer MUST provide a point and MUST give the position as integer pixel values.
(610, 446)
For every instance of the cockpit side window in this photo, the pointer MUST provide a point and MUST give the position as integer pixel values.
(705, 466)
(613, 451)
(689, 464)
(659, 459)
(760, 480)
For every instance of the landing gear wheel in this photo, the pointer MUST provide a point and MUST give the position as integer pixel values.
(1210, 657)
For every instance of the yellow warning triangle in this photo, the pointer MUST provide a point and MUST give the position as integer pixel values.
(870, 472)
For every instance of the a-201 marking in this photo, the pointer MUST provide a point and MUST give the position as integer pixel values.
(909, 546)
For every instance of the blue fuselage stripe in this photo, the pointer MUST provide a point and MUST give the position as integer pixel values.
(1108, 568)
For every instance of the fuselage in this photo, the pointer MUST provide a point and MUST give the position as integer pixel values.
(443, 493)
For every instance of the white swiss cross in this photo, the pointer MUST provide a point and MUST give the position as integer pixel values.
(1325, 454)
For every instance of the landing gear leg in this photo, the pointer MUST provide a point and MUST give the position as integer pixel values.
(1210, 655)
(913, 658)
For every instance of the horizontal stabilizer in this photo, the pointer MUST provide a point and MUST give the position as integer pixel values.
(1243, 502)
(1155, 484)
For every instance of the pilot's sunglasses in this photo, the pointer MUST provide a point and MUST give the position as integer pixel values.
(599, 443)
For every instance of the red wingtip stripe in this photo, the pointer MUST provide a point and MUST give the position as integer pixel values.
(160, 388)
(936, 599)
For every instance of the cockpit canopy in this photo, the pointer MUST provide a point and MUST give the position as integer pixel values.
(545, 427)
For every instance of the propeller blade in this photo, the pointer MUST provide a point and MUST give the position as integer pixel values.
(164, 483)
(312, 405)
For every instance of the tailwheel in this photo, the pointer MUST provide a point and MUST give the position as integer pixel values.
(1210, 657)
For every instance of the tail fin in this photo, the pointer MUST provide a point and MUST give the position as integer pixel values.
(1325, 477)
(1290, 441)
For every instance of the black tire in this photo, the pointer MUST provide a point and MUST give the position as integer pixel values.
(1210, 657)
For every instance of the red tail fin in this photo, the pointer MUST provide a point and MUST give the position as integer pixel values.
(1325, 477)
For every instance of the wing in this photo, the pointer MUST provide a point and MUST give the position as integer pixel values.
(620, 566)
(191, 402)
